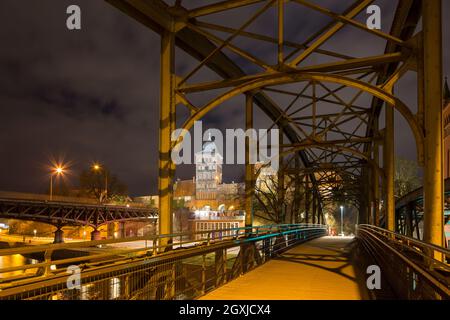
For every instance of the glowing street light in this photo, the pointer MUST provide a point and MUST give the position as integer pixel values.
(97, 167)
(35, 231)
(342, 220)
(58, 170)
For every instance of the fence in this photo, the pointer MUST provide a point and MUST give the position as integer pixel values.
(161, 268)
(411, 268)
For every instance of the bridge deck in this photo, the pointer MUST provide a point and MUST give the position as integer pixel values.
(319, 269)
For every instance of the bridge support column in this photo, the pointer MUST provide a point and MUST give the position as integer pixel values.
(297, 190)
(59, 236)
(432, 94)
(409, 219)
(389, 168)
(220, 260)
(376, 178)
(95, 235)
(121, 231)
(369, 195)
(364, 206)
(249, 168)
(307, 198)
(166, 125)
(281, 180)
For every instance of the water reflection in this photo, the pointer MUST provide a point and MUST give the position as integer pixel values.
(14, 261)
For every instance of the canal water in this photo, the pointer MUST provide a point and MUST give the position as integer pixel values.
(14, 261)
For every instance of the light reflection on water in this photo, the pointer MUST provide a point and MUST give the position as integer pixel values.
(87, 292)
(14, 261)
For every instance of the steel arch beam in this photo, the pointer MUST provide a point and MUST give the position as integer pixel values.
(281, 78)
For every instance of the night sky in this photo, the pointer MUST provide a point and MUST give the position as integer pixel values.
(93, 95)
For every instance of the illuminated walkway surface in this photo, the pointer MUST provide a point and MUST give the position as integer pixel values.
(319, 269)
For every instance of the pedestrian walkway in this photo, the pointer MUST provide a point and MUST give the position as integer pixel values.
(320, 269)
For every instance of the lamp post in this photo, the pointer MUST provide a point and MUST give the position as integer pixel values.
(342, 221)
(58, 171)
(97, 167)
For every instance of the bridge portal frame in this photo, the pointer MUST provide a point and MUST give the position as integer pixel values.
(404, 52)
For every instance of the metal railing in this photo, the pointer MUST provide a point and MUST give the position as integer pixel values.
(156, 267)
(412, 269)
(20, 196)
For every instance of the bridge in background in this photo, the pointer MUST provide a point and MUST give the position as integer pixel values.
(63, 211)
(409, 213)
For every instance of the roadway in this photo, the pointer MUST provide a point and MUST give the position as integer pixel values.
(321, 269)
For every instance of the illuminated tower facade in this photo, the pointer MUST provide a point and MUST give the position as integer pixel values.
(208, 171)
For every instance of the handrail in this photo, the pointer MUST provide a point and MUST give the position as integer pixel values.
(408, 255)
(86, 244)
(431, 248)
(157, 246)
(100, 266)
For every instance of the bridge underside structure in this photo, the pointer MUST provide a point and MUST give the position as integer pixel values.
(332, 98)
(62, 214)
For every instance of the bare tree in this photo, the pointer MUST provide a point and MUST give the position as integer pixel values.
(94, 184)
(406, 176)
(274, 200)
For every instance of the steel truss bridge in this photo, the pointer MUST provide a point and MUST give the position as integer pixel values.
(332, 99)
(66, 211)
(326, 102)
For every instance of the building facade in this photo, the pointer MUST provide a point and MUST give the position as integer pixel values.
(208, 172)
(216, 204)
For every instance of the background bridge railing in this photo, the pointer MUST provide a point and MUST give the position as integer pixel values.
(411, 268)
(45, 198)
(158, 267)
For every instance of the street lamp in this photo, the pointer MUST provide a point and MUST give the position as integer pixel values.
(56, 171)
(342, 220)
(98, 168)
(35, 231)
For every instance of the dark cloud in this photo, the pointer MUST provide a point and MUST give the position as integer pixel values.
(94, 94)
